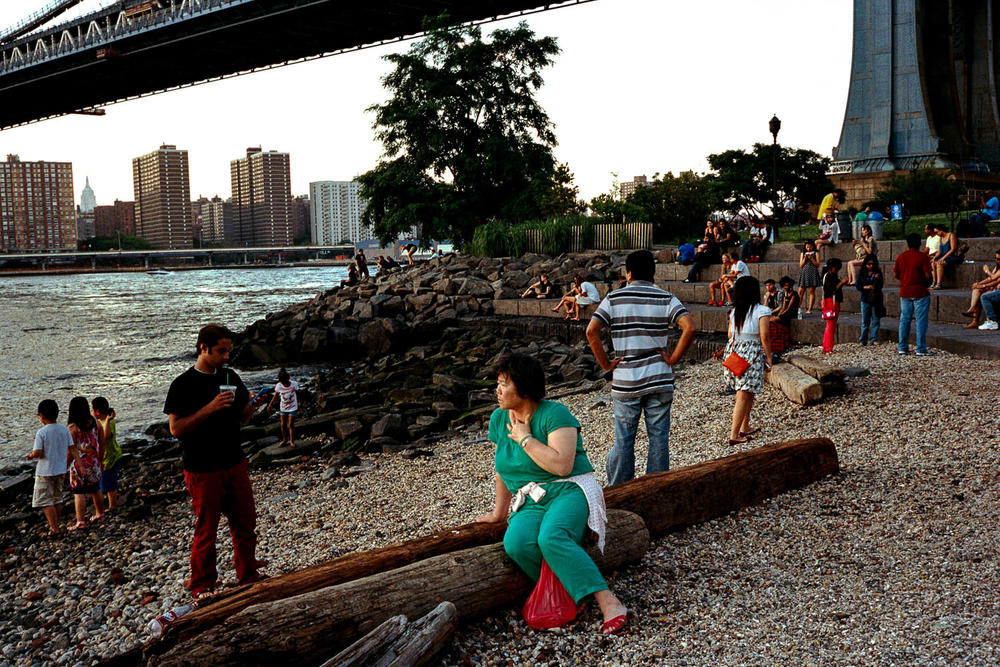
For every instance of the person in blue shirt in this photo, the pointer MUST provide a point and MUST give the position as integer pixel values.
(875, 215)
(685, 254)
(989, 212)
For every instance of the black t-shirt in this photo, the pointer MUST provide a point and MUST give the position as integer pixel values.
(215, 443)
(830, 289)
(361, 260)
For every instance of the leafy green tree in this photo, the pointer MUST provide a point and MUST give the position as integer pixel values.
(745, 181)
(677, 206)
(465, 139)
(922, 191)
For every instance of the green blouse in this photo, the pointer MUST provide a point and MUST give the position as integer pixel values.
(514, 465)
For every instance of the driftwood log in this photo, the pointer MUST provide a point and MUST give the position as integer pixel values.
(818, 369)
(795, 384)
(302, 630)
(667, 501)
(693, 494)
(399, 643)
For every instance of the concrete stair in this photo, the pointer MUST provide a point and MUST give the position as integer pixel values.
(946, 306)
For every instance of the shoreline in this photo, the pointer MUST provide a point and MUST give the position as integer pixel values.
(14, 273)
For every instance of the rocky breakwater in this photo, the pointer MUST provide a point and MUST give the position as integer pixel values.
(409, 352)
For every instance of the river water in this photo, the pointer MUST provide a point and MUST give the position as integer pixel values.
(124, 336)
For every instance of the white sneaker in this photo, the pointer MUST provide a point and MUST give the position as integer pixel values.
(989, 325)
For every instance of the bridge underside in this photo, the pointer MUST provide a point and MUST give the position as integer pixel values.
(240, 38)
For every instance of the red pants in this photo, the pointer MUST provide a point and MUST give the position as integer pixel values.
(830, 334)
(213, 494)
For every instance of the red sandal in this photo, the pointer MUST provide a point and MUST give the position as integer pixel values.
(617, 625)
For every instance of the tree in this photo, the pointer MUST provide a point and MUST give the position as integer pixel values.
(922, 191)
(744, 182)
(677, 206)
(465, 139)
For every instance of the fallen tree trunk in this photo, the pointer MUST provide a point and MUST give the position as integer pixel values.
(301, 630)
(346, 568)
(399, 643)
(686, 496)
(668, 500)
(795, 384)
(816, 368)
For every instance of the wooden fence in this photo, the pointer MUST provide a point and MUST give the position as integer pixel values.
(610, 236)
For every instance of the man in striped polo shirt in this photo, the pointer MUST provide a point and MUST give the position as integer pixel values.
(639, 317)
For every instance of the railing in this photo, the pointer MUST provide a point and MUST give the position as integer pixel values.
(36, 19)
(610, 236)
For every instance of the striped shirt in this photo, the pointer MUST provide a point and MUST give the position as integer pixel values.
(639, 317)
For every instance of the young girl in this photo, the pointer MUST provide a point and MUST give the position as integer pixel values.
(833, 296)
(809, 273)
(721, 284)
(748, 338)
(870, 283)
(286, 390)
(108, 431)
(864, 247)
(85, 470)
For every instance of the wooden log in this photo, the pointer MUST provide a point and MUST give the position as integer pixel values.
(795, 384)
(336, 571)
(301, 630)
(686, 496)
(817, 368)
(398, 643)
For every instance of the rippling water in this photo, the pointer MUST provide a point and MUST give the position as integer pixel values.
(123, 336)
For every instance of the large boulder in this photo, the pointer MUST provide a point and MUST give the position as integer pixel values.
(379, 336)
(476, 287)
(392, 426)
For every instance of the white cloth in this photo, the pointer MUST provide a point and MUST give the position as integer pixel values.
(751, 325)
(55, 440)
(590, 291)
(289, 400)
(741, 269)
(597, 520)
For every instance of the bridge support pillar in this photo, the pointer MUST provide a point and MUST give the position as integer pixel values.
(93, 262)
(145, 261)
(210, 259)
(245, 258)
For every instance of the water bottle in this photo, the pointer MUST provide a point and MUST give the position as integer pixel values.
(799, 313)
(158, 624)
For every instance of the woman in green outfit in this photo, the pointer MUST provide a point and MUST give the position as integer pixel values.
(546, 483)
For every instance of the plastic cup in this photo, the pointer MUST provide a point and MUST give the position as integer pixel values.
(223, 388)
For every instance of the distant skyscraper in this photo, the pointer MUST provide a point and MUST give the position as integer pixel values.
(86, 227)
(37, 209)
(628, 189)
(87, 199)
(120, 217)
(163, 198)
(335, 212)
(262, 198)
(300, 219)
(217, 222)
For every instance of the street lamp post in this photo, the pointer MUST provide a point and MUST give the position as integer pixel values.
(774, 125)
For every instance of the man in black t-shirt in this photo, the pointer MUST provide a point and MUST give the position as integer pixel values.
(362, 263)
(207, 404)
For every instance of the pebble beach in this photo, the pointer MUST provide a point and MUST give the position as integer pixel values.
(894, 561)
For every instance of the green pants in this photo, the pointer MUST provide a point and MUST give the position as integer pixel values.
(553, 530)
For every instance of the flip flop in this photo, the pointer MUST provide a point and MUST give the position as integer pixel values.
(78, 525)
(747, 434)
(739, 441)
(618, 624)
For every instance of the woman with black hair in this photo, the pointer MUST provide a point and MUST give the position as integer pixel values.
(833, 296)
(546, 484)
(749, 343)
(87, 452)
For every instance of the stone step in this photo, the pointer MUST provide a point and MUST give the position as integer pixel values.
(967, 342)
(956, 276)
(980, 250)
(946, 305)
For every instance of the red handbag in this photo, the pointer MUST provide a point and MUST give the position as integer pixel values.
(549, 605)
(736, 364)
(829, 309)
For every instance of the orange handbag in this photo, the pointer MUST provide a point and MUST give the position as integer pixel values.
(736, 364)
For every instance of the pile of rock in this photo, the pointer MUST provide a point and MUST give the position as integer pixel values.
(401, 306)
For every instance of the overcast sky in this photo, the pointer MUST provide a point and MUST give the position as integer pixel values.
(641, 86)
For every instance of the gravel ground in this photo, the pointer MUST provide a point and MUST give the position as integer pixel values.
(894, 561)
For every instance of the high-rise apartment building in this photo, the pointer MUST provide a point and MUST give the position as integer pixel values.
(628, 189)
(37, 207)
(335, 212)
(163, 198)
(119, 217)
(217, 225)
(300, 219)
(262, 198)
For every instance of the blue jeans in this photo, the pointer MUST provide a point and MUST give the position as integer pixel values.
(991, 302)
(908, 309)
(621, 458)
(869, 321)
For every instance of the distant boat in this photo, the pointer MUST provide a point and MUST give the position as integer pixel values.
(159, 272)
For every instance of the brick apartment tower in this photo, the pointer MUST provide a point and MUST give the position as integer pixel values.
(262, 198)
(119, 217)
(163, 198)
(37, 206)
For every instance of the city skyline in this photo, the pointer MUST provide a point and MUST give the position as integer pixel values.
(624, 96)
